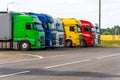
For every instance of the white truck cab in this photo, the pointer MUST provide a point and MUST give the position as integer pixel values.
(60, 32)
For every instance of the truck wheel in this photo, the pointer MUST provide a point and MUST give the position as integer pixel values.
(24, 46)
(84, 44)
(69, 43)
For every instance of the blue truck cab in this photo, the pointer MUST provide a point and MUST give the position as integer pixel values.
(49, 28)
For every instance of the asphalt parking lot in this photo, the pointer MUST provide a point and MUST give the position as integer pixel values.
(7, 55)
(92, 63)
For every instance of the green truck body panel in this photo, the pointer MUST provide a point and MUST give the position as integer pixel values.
(20, 33)
(23, 29)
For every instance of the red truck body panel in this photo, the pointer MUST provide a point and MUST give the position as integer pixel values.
(88, 35)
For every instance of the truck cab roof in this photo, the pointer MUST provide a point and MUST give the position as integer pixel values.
(43, 17)
(86, 23)
(70, 21)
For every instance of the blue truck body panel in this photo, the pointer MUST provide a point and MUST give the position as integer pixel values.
(48, 23)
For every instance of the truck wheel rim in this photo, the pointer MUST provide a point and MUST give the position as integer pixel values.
(24, 45)
(68, 43)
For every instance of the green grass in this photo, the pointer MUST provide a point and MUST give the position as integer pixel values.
(113, 43)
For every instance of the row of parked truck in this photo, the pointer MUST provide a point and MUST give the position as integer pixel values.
(29, 30)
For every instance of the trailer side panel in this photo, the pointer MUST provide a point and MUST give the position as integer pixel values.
(5, 26)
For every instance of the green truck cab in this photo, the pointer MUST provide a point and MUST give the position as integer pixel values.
(26, 31)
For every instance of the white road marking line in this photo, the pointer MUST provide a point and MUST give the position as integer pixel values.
(12, 74)
(32, 59)
(19, 61)
(63, 55)
(40, 57)
(65, 64)
(103, 57)
(55, 56)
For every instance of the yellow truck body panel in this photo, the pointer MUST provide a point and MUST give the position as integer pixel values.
(71, 31)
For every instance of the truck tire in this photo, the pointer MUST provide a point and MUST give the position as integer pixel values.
(69, 43)
(84, 44)
(24, 46)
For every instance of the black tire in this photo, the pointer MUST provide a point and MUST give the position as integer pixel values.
(84, 44)
(24, 46)
(68, 43)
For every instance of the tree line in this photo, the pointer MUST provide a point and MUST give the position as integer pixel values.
(111, 31)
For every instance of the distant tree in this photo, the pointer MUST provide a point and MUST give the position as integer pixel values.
(108, 29)
(115, 30)
(112, 31)
(102, 30)
(106, 33)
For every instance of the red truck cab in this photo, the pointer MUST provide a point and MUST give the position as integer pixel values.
(88, 35)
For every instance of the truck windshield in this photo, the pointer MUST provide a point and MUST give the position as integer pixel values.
(59, 27)
(87, 28)
(93, 29)
(79, 30)
(39, 27)
(51, 26)
(97, 30)
(36, 19)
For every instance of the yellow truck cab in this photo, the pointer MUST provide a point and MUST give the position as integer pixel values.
(72, 31)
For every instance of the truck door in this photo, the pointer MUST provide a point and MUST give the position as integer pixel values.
(30, 33)
(72, 34)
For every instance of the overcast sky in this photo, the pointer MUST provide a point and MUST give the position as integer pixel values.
(80, 9)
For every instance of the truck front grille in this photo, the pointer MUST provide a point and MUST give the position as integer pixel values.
(53, 36)
(42, 39)
(53, 42)
(42, 44)
(81, 38)
(61, 41)
(54, 39)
